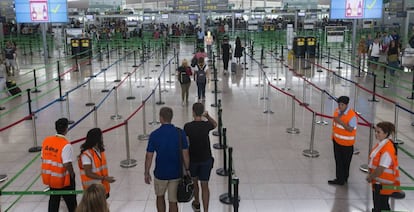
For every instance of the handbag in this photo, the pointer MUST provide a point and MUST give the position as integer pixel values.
(185, 189)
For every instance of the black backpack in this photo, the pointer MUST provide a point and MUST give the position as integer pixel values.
(201, 74)
(183, 76)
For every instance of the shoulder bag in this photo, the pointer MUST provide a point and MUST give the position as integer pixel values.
(185, 189)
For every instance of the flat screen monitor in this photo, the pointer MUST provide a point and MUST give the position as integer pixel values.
(164, 16)
(301, 14)
(37, 11)
(356, 9)
(192, 17)
(238, 15)
(147, 18)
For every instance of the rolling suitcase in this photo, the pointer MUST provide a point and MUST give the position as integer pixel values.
(12, 88)
(233, 67)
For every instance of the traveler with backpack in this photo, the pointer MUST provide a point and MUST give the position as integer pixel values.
(200, 77)
(184, 73)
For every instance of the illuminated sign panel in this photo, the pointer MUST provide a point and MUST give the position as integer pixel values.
(356, 9)
(38, 11)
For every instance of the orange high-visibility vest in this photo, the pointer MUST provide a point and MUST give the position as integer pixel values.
(391, 175)
(54, 174)
(339, 134)
(99, 167)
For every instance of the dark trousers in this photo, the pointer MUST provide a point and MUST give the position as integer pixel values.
(201, 90)
(343, 157)
(226, 63)
(381, 202)
(70, 200)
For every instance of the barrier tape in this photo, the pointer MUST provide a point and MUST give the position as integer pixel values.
(60, 192)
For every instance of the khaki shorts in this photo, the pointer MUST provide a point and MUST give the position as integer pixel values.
(161, 186)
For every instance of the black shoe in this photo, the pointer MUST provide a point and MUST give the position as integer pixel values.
(335, 182)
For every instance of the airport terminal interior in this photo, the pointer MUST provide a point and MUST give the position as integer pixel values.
(115, 67)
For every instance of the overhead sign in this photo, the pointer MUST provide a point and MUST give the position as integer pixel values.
(356, 9)
(38, 11)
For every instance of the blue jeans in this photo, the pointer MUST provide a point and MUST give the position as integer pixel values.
(201, 90)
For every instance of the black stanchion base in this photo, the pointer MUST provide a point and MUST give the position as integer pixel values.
(372, 100)
(154, 70)
(170, 81)
(259, 85)
(410, 97)
(327, 62)
(277, 79)
(130, 97)
(105, 91)
(218, 146)
(265, 66)
(218, 91)
(148, 78)
(214, 105)
(2, 108)
(90, 104)
(35, 149)
(319, 70)
(216, 133)
(61, 79)
(222, 172)
(117, 80)
(134, 66)
(227, 199)
(339, 67)
(36, 91)
(160, 103)
(140, 86)
(158, 65)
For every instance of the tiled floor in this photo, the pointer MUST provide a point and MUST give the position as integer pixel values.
(273, 173)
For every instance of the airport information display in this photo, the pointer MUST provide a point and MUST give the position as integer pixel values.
(38, 11)
(356, 9)
(194, 5)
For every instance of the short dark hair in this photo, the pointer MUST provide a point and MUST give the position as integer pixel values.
(61, 125)
(198, 109)
(343, 99)
(166, 113)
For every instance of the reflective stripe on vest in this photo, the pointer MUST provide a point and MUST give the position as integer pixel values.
(339, 133)
(99, 167)
(54, 174)
(390, 175)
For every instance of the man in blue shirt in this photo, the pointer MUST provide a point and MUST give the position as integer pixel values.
(165, 142)
(200, 38)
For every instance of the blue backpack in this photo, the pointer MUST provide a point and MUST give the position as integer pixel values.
(201, 74)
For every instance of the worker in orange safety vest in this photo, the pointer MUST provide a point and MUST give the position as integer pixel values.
(92, 161)
(383, 167)
(57, 169)
(343, 135)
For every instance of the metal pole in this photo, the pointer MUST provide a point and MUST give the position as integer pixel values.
(374, 89)
(143, 136)
(128, 162)
(95, 115)
(68, 108)
(160, 102)
(356, 97)
(169, 72)
(59, 83)
(304, 93)
(29, 103)
(35, 82)
(321, 121)
(154, 119)
(104, 90)
(396, 140)
(130, 97)
(293, 130)
(223, 171)
(364, 167)
(236, 193)
(311, 152)
(264, 88)
(35, 147)
(116, 116)
(228, 198)
(339, 61)
(135, 59)
(90, 103)
(220, 144)
(268, 110)
(329, 56)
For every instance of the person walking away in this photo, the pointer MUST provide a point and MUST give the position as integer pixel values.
(343, 136)
(393, 57)
(238, 50)
(209, 42)
(57, 169)
(374, 53)
(201, 78)
(225, 54)
(10, 55)
(184, 73)
(201, 159)
(3, 79)
(164, 141)
(362, 51)
(92, 161)
(383, 167)
(200, 38)
(93, 199)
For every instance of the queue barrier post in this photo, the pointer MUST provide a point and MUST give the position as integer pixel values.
(116, 116)
(228, 198)
(76, 64)
(154, 118)
(339, 61)
(311, 152)
(144, 136)
(215, 133)
(130, 97)
(169, 73)
(282, 58)
(95, 116)
(264, 88)
(29, 104)
(118, 74)
(219, 132)
(68, 109)
(224, 171)
(268, 110)
(104, 90)
(293, 130)
(140, 76)
(100, 54)
(304, 103)
(215, 88)
(59, 79)
(35, 90)
(236, 182)
(321, 121)
(89, 103)
(364, 167)
(384, 84)
(163, 79)
(329, 56)
(128, 162)
(135, 59)
(374, 89)
(160, 102)
(35, 148)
